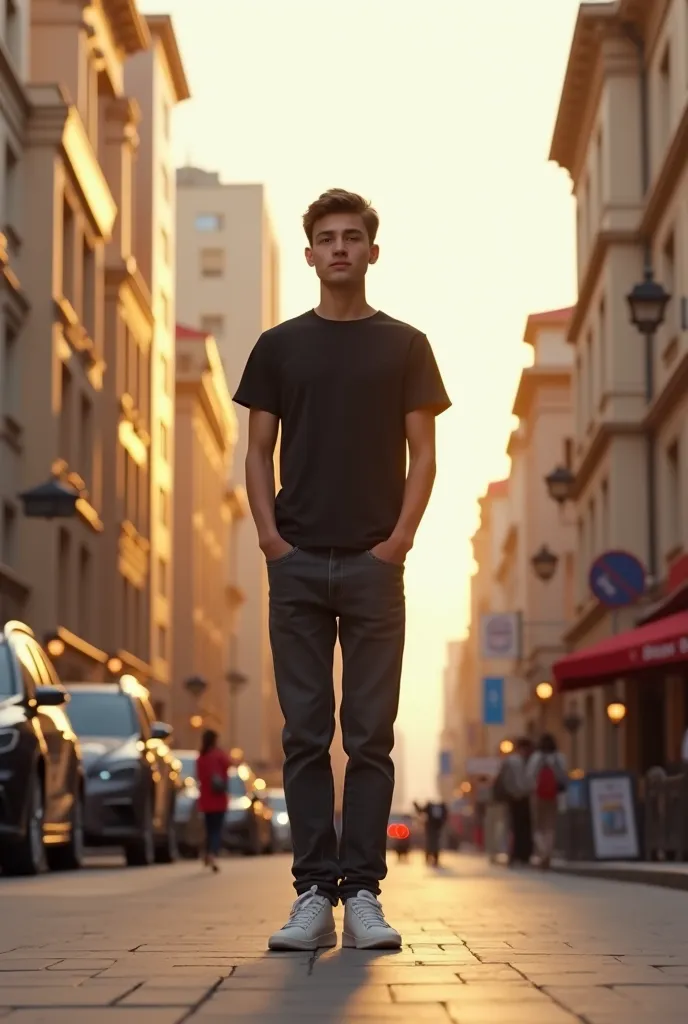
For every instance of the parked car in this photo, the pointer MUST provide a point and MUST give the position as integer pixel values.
(131, 782)
(281, 829)
(188, 821)
(247, 825)
(41, 776)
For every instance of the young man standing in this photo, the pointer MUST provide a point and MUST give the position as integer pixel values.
(352, 389)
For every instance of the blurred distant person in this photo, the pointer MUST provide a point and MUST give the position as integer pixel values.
(548, 778)
(435, 818)
(513, 787)
(212, 766)
(354, 391)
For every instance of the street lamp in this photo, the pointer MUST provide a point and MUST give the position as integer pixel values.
(506, 747)
(55, 646)
(114, 664)
(51, 500)
(647, 303)
(560, 484)
(196, 686)
(544, 691)
(196, 721)
(616, 712)
(544, 563)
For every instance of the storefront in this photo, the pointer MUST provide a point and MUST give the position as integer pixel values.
(646, 669)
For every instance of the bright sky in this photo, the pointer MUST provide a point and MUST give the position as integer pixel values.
(441, 113)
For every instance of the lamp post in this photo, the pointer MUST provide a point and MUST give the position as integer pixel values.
(616, 713)
(560, 484)
(647, 303)
(544, 563)
(572, 723)
(544, 692)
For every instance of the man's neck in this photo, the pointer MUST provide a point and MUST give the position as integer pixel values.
(343, 305)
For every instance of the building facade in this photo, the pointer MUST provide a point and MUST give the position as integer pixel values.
(79, 136)
(15, 579)
(228, 285)
(206, 431)
(156, 79)
(620, 133)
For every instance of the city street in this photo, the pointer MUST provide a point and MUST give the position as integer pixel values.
(483, 945)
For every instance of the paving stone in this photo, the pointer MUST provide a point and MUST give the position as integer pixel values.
(61, 995)
(104, 1016)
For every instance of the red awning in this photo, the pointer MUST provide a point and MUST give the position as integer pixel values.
(664, 642)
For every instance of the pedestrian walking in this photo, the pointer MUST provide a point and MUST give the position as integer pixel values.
(354, 391)
(548, 778)
(513, 788)
(434, 816)
(212, 767)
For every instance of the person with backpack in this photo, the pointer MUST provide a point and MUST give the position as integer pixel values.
(435, 818)
(548, 778)
(512, 788)
(212, 767)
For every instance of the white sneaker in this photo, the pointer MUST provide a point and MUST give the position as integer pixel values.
(365, 926)
(310, 924)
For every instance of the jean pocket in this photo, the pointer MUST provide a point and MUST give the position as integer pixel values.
(270, 562)
(382, 561)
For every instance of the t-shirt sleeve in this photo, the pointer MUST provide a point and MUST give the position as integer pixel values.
(258, 387)
(423, 385)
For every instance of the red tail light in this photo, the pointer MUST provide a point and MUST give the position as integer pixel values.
(397, 831)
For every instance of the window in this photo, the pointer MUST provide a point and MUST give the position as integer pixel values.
(605, 525)
(162, 577)
(68, 251)
(10, 376)
(11, 187)
(166, 120)
(165, 311)
(165, 246)
(213, 324)
(12, 28)
(85, 466)
(207, 222)
(90, 286)
(162, 642)
(101, 714)
(165, 184)
(66, 415)
(669, 281)
(568, 452)
(165, 373)
(602, 349)
(164, 442)
(673, 460)
(9, 534)
(84, 594)
(590, 381)
(664, 99)
(64, 544)
(212, 262)
(164, 500)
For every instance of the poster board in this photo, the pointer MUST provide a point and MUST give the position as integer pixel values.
(613, 814)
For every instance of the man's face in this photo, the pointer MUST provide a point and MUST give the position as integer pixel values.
(341, 252)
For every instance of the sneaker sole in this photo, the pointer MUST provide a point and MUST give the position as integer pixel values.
(351, 942)
(325, 941)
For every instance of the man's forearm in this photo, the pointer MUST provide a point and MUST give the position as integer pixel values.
(260, 487)
(419, 484)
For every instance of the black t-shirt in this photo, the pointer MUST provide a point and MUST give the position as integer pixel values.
(341, 389)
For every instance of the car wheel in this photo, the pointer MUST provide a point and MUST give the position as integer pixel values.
(70, 857)
(27, 857)
(140, 853)
(167, 852)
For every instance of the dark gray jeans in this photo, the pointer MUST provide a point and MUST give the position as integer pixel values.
(315, 596)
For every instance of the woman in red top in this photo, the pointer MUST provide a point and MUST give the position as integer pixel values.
(212, 766)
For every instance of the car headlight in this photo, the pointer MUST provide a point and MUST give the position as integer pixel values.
(282, 818)
(8, 740)
(116, 772)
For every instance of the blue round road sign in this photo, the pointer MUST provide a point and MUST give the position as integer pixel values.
(617, 579)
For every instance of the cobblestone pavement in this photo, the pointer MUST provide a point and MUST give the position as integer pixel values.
(483, 945)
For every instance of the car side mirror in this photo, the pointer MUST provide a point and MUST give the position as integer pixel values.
(50, 697)
(161, 731)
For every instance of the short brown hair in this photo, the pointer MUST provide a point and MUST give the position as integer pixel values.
(338, 200)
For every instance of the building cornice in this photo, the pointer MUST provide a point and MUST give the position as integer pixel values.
(667, 181)
(588, 286)
(671, 395)
(128, 25)
(162, 28)
(532, 379)
(596, 451)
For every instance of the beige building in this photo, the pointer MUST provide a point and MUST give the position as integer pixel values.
(517, 520)
(155, 78)
(620, 133)
(206, 431)
(74, 243)
(228, 286)
(15, 583)
(451, 723)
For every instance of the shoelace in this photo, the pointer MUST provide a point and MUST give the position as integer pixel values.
(370, 912)
(305, 908)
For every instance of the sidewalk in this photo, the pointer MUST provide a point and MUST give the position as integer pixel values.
(173, 945)
(666, 874)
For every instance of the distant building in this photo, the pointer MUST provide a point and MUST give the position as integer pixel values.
(228, 286)
(206, 432)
